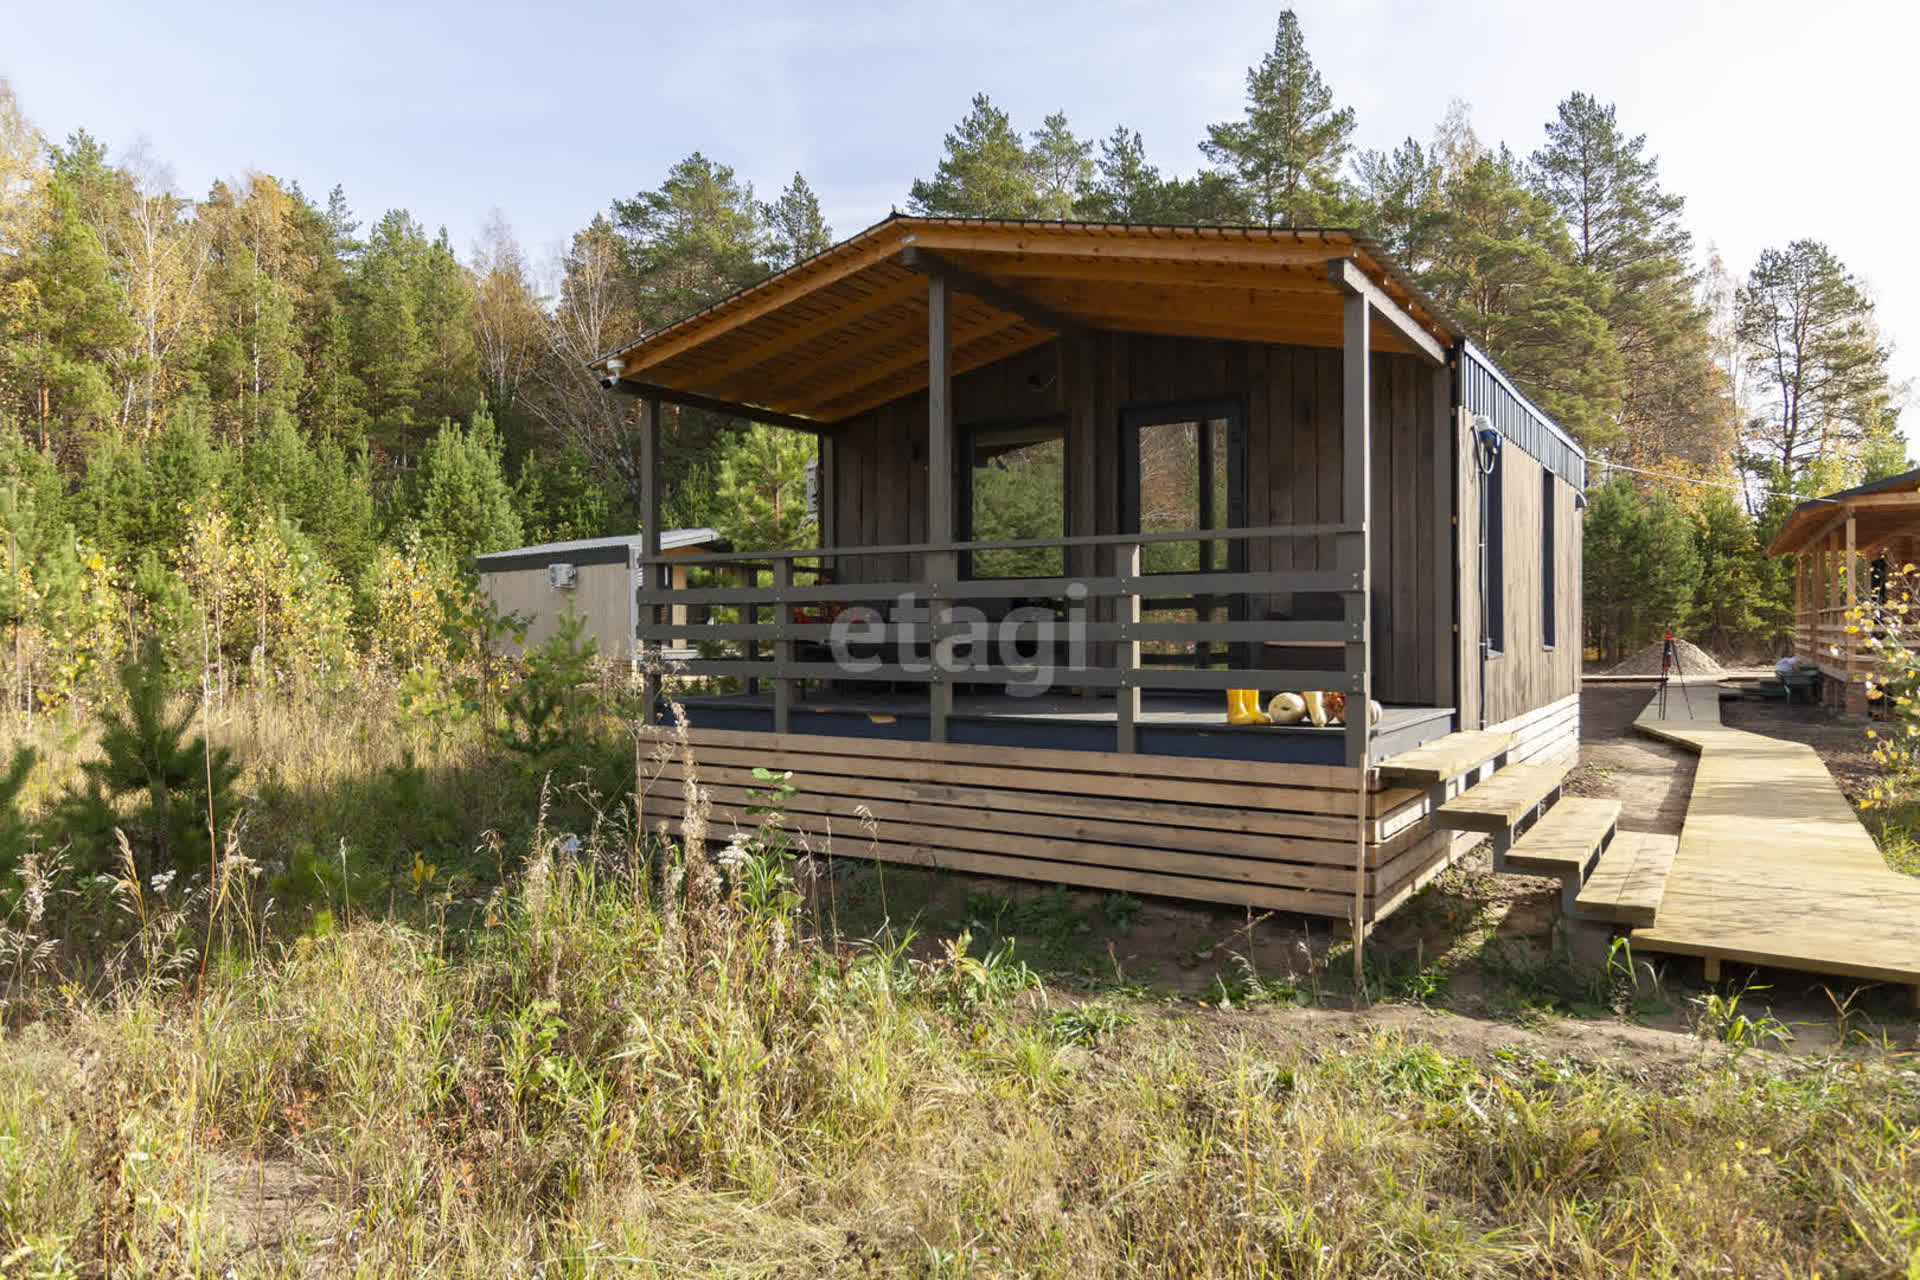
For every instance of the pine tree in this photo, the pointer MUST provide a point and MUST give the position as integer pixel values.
(1734, 609)
(1124, 187)
(562, 499)
(1062, 166)
(1641, 568)
(70, 320)
(450, 387)
(147, 759)
(1627, 236)
(1285, 154)
(1399, 202)
(15, 831)
(335, 403)
(390, 352)
(1503, 266)
(465, 505)
(252, 364)
(986, 171)
(753, 491)
(1808, 332)
(797, 231)
(695, 240)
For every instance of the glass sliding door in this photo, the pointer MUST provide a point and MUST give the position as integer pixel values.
(1183, 469)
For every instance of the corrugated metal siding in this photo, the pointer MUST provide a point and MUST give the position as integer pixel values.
(1485, 390)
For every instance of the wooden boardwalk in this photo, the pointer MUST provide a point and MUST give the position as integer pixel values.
(1774, 867)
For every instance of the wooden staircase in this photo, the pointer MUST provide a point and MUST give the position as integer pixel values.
(1606, 876)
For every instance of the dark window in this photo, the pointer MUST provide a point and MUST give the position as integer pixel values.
(1016, 490)
(1549, 593)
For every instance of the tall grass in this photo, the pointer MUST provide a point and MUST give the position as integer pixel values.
(628, 1058)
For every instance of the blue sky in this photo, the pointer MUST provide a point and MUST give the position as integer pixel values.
(1773, 124)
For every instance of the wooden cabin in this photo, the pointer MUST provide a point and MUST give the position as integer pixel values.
(1078, 482)
(1845, 545)
(597, 578)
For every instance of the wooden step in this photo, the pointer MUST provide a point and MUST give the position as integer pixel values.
(1445, 759)
(1502, 801)
(1630, 879)
(1566, 841)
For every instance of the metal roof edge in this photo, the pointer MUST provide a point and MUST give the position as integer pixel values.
(1500, 375)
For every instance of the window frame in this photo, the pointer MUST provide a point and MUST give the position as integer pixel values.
(965, 437)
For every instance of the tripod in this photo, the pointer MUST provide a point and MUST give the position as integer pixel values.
(1670, 667)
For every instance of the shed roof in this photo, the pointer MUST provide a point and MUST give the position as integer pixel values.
(1881, 509)
(670, 540)
(846, 330)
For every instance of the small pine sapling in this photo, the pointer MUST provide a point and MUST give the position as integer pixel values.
(151, 781)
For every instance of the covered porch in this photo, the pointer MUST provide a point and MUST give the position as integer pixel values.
(1847, 546)
(1246, 444)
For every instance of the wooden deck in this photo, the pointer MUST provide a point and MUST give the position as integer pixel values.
(1774, 867)
(1168, 724)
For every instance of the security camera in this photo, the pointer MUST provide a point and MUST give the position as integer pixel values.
(611, 378)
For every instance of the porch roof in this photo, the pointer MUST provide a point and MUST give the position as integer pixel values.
(846, 330)
(1881, 509)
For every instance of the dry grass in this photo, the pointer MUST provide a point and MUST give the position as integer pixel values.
(604, 1077)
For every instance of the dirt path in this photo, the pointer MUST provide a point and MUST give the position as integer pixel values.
(1651, 780)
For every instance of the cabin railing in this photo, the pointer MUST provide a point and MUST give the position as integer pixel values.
(899, 614)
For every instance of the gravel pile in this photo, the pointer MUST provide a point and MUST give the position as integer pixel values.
(1694, 661)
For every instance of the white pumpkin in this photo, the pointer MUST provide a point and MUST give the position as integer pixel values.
(1287, 708)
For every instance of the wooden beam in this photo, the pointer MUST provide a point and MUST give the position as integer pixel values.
(1009, 342)
(654, 392)
(751, 304)
(1283, 278)
(1211, 244)
(991, 292)
(1351, 280)
(837, 317)
(849, 376)
(1294, 333)
(1246, 304)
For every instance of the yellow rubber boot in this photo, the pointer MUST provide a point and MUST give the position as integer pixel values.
(1243, 707)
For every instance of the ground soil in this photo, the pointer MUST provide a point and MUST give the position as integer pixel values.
(1483, 938)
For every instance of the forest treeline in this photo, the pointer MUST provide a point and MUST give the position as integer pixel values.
(270, 429)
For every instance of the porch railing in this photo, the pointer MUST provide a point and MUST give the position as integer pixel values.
(1089, 631)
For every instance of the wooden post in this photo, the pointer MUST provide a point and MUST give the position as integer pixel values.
(1442, 533)
(1799, 595)
(746, 575)
(1082, 463)
(943, 566)
(782, 648)
(1126, 697)
(1853, 602)
(650, 567)
(1355, 555)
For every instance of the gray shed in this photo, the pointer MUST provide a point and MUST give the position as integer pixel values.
(596, 576)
